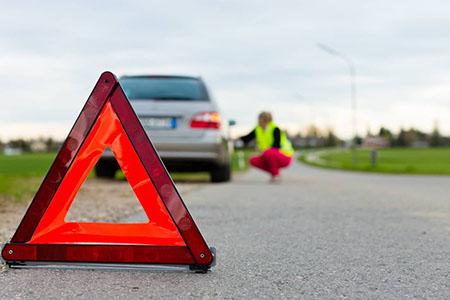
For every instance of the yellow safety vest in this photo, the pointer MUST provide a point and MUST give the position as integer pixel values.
(264, 139)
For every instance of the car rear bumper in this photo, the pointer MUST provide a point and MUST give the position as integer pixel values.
(186, 152)
(193, 151)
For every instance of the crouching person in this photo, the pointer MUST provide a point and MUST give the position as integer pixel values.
(276, 149)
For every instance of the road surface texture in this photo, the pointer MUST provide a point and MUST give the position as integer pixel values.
(317, 235)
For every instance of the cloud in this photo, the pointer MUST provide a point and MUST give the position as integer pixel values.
(254, 55)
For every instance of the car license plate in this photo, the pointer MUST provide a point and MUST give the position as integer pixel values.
(159, 123)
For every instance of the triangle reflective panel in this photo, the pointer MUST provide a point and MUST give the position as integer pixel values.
(170, 237)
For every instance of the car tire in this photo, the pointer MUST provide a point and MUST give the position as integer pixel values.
(105, 169)
(221, 173)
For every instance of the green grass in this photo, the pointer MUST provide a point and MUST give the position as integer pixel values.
(235, 159)
(21, 175)
(395, 160)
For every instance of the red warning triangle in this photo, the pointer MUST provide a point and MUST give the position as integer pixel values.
(169, 237)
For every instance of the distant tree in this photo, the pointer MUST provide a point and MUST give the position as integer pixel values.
(387, 134)
(410, 137)
(298, 135)
(22, 144)
(419, 136)
(436, 139)
(51, 144)
(331, 140)
(368, 131)
(446, 141)
(384, 132)
(313, 131)
(358, 140)
(401, 140)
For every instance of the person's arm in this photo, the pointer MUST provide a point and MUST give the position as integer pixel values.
(249, 137)
(276, 138)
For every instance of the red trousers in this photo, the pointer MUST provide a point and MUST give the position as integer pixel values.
(271, 161)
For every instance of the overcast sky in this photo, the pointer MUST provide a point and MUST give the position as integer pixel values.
(254, 55)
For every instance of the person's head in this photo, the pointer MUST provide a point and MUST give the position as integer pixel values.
(264, 118)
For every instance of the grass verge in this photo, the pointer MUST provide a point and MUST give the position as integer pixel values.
(21, 175)
(434, 161)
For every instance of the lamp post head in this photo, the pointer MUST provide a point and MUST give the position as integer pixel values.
(328, 49)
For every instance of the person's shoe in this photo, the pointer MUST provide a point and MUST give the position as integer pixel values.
(275, 179)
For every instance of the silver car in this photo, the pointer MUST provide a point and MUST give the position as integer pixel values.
(182, 121)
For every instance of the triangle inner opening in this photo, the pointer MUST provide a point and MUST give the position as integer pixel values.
(106, 201)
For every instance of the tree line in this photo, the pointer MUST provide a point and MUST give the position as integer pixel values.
(40, 144)
(314, 137)
(414, 137)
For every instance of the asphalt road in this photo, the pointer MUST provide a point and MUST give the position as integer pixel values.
(318, 234)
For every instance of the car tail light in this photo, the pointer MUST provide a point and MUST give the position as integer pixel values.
(206, 120)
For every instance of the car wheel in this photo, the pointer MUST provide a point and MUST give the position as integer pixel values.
(221, 173)
(105, 169)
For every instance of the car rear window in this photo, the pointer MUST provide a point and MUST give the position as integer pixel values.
(164, 88)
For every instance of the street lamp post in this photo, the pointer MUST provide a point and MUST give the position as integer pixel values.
(352, 72)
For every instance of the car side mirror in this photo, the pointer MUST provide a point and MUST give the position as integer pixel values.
(231, 122)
